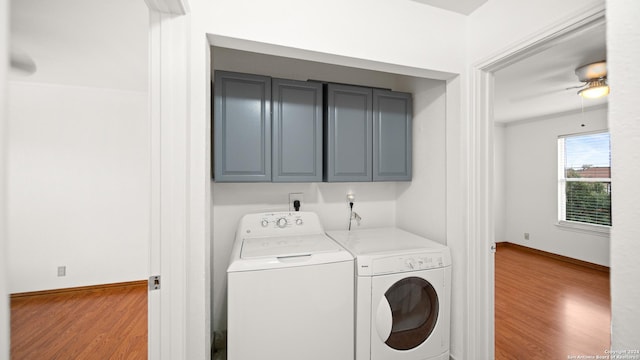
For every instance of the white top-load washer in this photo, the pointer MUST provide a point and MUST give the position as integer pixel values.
(290, 291)
(403, 292)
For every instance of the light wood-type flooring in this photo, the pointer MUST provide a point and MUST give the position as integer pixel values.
(108, 322)
(549, 309)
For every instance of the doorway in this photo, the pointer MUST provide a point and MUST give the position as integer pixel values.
(78, 164)
(483, 134)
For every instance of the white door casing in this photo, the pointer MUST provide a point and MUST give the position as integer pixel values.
(179, 322)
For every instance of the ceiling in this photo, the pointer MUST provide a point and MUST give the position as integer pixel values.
(464, 7)
(83, 42)
(537, 85)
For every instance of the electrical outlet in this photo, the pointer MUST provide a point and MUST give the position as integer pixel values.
(526, 236)
(62, 270)
(292, 198)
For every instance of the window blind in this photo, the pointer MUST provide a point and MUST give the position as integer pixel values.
(585, 178)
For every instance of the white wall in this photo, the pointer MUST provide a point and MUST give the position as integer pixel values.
(403, 33)
(289, 68)
(531, 191)
(623, 37)
(421, 203)
(375, 202)
(78, 186)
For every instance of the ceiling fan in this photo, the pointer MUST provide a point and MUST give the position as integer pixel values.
(21, 62)
(594, 77)
(594, 83)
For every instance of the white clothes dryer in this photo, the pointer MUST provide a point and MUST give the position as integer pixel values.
(403, 294)
(290, 291)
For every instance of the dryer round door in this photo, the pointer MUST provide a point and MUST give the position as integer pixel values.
(407, 311)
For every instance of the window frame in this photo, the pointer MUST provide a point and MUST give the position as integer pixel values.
(597, 229)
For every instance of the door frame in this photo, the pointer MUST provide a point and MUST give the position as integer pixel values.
(481, 320)
(179, 324)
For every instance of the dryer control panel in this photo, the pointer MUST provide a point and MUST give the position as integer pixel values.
(403, 263)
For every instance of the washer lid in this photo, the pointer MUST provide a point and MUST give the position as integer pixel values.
(287, 246)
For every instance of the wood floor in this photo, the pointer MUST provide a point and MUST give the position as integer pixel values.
(549, 309)
(98, 323)
(545, 309)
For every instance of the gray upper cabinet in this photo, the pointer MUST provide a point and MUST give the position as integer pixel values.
(392, 120)
(297, 131)
(277, 130)
(348, 133)
(242, 127)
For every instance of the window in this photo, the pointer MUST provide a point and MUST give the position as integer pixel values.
(584, 190)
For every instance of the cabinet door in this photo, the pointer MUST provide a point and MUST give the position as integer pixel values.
(242, 127)
(348, 133)
(297, 131)
(392, 120)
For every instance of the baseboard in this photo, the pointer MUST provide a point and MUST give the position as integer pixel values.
(555, 256)
(79, 288)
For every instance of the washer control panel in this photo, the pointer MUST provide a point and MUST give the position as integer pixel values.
(282, 220)
(279, 223)
(404, 263)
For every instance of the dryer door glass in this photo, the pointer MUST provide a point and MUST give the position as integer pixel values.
(414, 310)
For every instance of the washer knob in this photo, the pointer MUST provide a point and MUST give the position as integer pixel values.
(298, 221)
(282, 222)
(264, 223)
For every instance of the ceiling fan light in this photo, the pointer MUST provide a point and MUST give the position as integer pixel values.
(595, 89)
